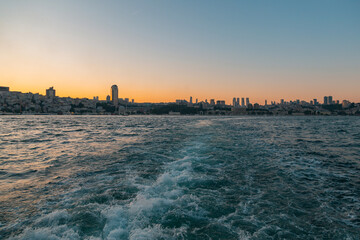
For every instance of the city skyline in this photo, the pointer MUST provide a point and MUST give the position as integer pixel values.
(114, 98)
(162, 51)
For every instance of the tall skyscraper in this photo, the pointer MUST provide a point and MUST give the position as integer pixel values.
(315, 101)
(242, 102)
(197, 101)
(50, 92)
(115, 95)
(282, 101)
(238, 102)
(330, 100)
(191, 100)
(326, 100)
(212, 102)
(234, 102)
(247, 101)
(265, 102)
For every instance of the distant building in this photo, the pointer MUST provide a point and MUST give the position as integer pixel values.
(346, 104)
(50, 92)
(242, 102)
(330, 100)
(115, 95)
(212, 102)
(238, 102)
(282, 101)
(247, 101)
(326, 102)
(181, 101)
(191, 100)
(132, 100)
(96, 98)
(4, 89)
(220, 102)
(108, 98)
(315, 101)
(196, 101)
(265, 102)
(234, 102)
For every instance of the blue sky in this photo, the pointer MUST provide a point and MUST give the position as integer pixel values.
(162, 50)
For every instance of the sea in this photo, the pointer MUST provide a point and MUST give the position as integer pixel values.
(179, 177)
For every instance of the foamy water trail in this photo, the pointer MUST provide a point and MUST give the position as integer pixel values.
(179, 178)
(142, 217)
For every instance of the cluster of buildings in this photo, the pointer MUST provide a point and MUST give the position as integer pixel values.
(293, 107)
(12, 102)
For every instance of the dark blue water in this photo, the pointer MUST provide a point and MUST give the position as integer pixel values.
(67, 177)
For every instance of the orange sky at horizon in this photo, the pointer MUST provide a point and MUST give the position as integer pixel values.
(166, 93)
(160, 52)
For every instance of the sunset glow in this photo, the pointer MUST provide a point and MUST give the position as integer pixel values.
(164, 50)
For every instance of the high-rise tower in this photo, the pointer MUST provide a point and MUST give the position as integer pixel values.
(115, 95)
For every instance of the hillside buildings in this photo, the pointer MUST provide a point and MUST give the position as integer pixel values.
(50, 93)
(12, 102)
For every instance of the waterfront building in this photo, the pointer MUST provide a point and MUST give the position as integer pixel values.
(326, 100)
(115, 95)
(346, 103)
(330, 100)
(181, 101)
(220, 102)
(50, 93)
(4, 89)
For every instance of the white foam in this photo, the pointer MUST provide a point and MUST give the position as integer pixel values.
(135, 220)
(139, 218)
(203, 123)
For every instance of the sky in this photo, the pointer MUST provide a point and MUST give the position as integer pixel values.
(160, 51)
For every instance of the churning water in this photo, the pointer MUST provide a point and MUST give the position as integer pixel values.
(148, 177)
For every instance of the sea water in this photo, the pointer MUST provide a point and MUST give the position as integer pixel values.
(179, 177)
